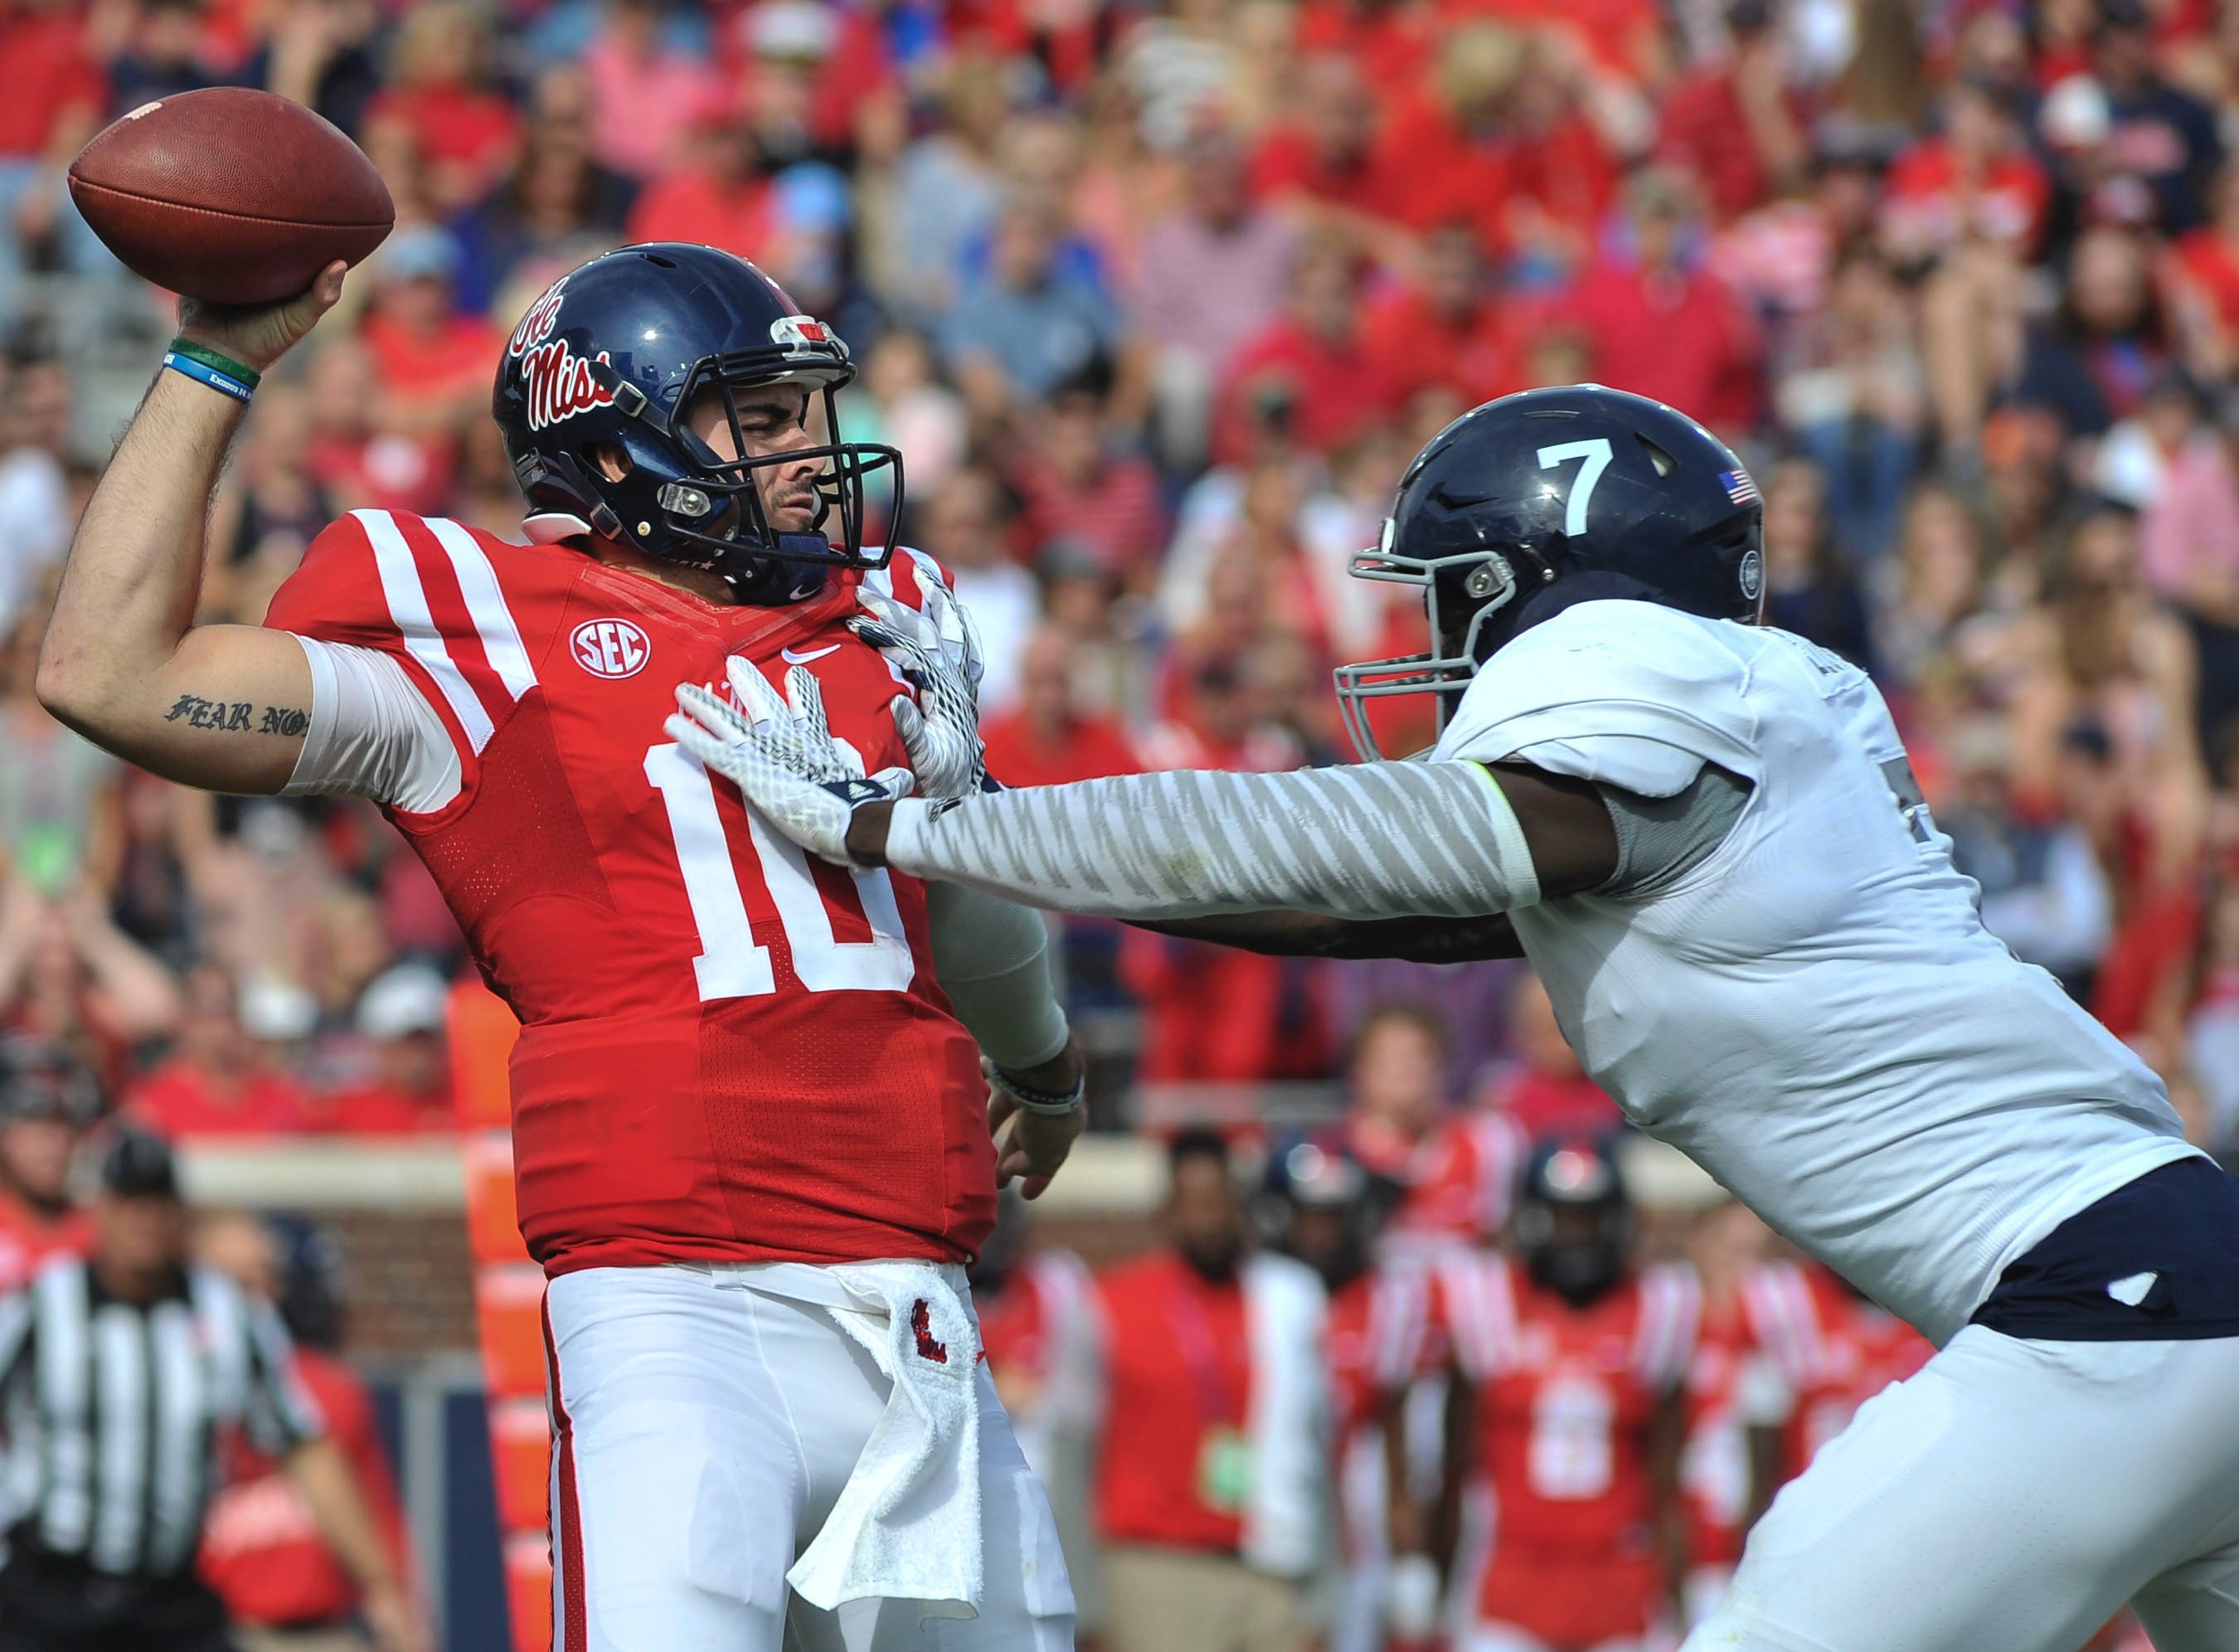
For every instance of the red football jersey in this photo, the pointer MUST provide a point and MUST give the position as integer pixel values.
(1565, 1397)
(1456, 1182)
(1378, 1328)
(1752, 1356)
(1861, 1348)
(729, 1051)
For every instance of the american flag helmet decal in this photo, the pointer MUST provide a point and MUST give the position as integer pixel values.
(1739, 486)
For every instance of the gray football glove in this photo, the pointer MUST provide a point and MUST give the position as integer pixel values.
(781, 756)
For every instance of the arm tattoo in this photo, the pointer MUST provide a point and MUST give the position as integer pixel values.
(232, 717)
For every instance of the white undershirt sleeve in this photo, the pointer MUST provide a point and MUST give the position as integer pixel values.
(372, 733)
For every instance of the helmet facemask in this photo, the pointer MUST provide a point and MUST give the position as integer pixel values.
(1461, 593)
(716, 515)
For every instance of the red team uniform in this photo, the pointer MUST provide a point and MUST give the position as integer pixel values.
(1456, 1180)
(1859, 1349)
(1565, 1399)
(1752, 1356)
(1377, 1341)
(678, 1093)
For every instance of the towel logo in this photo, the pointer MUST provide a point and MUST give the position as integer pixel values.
(921, 1328)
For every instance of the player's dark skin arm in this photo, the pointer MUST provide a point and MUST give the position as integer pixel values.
(1567, 827)
(1418, 941)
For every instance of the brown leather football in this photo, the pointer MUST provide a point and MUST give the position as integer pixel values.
(230, 195)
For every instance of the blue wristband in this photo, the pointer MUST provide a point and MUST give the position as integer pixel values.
(223, 383)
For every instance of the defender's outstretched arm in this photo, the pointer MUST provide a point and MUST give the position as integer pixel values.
(219, 706)
(1381, 841)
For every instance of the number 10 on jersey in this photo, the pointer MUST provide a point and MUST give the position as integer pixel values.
(732, 964)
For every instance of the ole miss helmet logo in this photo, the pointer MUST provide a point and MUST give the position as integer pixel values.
(557, 381)
(610, 648)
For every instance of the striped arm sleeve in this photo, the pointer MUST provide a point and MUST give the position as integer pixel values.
(281, 1413)
(1376, 840)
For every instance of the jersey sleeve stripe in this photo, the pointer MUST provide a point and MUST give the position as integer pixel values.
(408, 607)
(486, 606)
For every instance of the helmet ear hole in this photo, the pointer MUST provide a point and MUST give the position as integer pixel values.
(611, 458)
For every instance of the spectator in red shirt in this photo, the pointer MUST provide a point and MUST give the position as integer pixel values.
(1447, 326)
(402, 1015)
(646, 92)
(716, 194)
(261, 1548)
(2202, 274)
(432, 362)
(1195, 1468)
(217, 1082)
(1738, 121)
(56, 97)
(1322, 162)
(1973, 182)
(461, 134)
(47, 1100)
(1309, 374)
(1546, 1091)
(1661, 326)
(1044, 740)
(1078, 486)
(1506, 136)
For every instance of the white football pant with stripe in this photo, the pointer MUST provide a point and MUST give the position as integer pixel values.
(709, 1430)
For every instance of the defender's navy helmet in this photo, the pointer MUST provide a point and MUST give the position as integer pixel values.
(1523, 507)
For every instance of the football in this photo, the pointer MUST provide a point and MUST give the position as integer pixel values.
(230, 195)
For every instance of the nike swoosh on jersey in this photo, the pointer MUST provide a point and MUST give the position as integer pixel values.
(793, 659)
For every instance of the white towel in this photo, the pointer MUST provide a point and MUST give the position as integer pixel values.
(1284, 1310)
(906, 1525)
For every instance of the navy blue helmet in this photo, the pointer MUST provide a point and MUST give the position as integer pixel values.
(1573, 1223)
(610, 360)
(1525, 506)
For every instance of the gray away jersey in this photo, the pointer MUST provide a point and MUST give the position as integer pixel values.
(1813, 1012)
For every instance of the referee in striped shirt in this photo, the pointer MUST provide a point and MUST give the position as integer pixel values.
(122, 1373)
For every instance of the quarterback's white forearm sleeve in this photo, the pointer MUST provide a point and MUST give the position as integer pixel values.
(1376, 840)
(992, 958)
(372, 733)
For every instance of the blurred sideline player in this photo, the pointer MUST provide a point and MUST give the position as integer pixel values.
(48, 1098)
(1319, 1207)
(262, 1551)
(1754, 1352)
(751, 1137)
(1037, 1310)
(1706, 836)
(1573, 1361)
(1452, 1171)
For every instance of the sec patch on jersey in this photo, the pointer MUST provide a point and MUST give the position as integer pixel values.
(610, 648)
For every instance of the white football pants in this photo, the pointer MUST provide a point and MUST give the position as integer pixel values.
(709, 1429)
(2009, 1497)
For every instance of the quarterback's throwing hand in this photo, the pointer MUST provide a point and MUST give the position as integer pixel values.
(781, 756)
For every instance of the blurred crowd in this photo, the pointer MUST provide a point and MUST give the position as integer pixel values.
(1158, 297)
